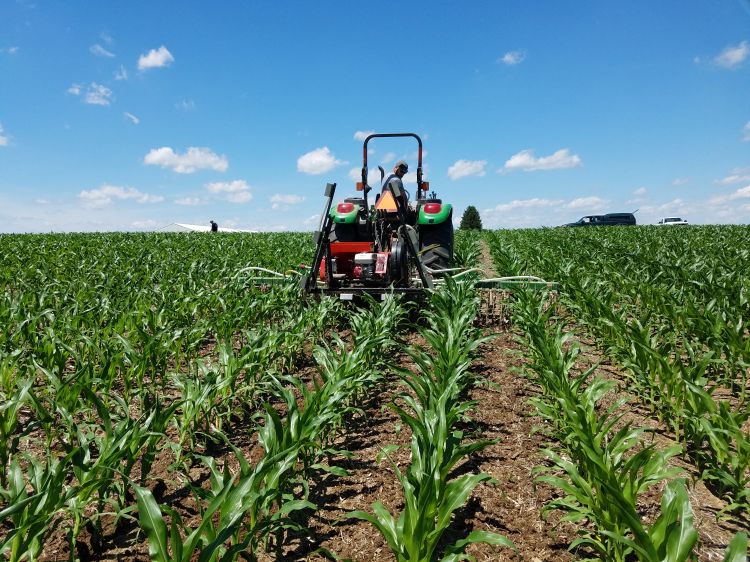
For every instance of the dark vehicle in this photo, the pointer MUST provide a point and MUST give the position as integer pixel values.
(610, 219)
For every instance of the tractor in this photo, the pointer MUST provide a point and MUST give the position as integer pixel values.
(394, 245)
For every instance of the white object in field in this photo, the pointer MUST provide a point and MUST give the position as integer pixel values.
(184, 227)
(671, 221)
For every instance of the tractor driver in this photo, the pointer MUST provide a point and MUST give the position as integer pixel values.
(399, 171)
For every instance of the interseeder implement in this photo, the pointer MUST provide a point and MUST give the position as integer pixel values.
(394, 245)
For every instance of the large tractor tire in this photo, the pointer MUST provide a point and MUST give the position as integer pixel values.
(440, 236)
(344, 233)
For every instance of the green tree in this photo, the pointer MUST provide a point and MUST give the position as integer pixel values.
(471, 219)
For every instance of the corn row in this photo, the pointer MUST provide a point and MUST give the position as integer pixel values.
(431, 409)
(675, 317)
(246, 509)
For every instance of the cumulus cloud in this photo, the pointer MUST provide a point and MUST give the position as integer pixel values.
(100, 51)
(679, 181)
(106, 194)
(318, 161)
(237, 191)
(155, 58)
(10, 50)
(362, 135)
(133, 119)
(98, 95)
(526, 161)
(121, 73)
(196, 158)
(746, 132)
(525, 204)
(733, 55)
(512, 58)
(312, 219)
(640, 191)
(741, 193)
(588, 203)
(280, 201)
(190, 201)
(75, 89)
(675, 207)
(463, 168)
(287, 199)
(4, 140)
(736, 175)
(373, 176)
(146, 224)
(388, 157)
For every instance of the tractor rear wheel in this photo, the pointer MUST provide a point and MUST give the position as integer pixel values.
(440, 237)
(344, 233)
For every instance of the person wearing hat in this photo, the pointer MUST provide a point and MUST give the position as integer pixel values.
(399, 171)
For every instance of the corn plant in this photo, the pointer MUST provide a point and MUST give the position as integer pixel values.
(603, 470)
(430, 495)
(244, 510)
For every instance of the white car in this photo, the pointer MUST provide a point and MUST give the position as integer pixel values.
(671, 221)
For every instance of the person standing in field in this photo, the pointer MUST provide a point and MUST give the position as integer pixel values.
(214, 227)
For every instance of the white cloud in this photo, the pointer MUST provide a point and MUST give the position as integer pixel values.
(362, 135)
(736, 175)
(746, 132)
(512, 58)
(190, 201)
(287, 199)
(4, 140)
(42, 201)
(121, 73)
(373, 176)
(196, 158)
(98, 95)
(732, 56)
(237, 191)
(318, 161)
(280, 201)
(104, 195)
(133, 118)
(155, 58)
(10, 50)
(463, 168)
(588, 203)
(388, 157)
(100, 51)
(741, 193)
(679, 181)
(75, 89)
(640, 191)
(675, 208)
(147, 224)
(312, 219)
(185, 105)
(524, 204)
(526, 161)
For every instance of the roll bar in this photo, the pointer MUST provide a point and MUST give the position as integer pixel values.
(389, 135)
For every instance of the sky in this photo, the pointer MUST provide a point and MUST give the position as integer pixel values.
(134, 115)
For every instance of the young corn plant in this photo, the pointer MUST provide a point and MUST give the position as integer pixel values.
(243, 511)
(601, 470)
(430, 496)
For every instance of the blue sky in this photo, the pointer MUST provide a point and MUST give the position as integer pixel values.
(133, 115)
